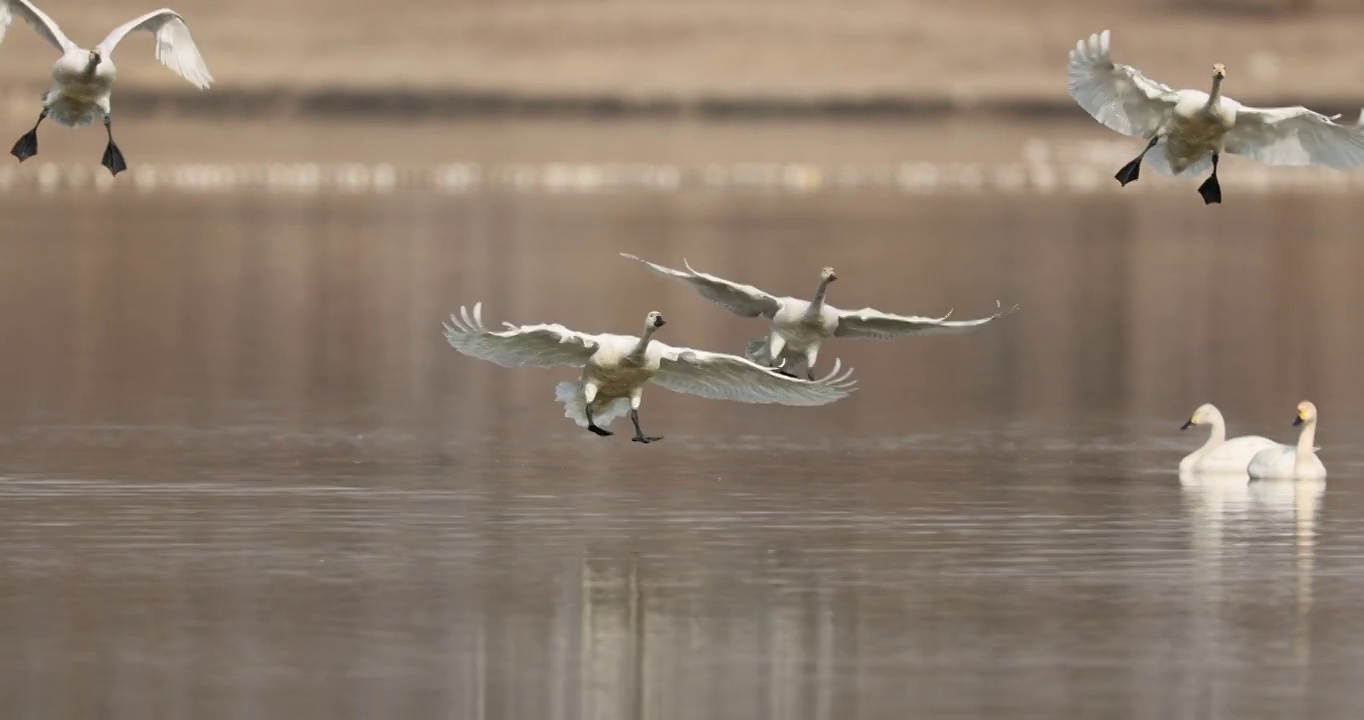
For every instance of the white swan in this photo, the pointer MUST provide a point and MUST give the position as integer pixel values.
(1218, 454)
(82, 80)
(1292, 461)
(615, 368)
(1188, 129)
(800, 326)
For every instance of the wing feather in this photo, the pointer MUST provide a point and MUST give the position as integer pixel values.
(175, 47)
(737, 298)
(721, 376)
(1296, 136)
(521, 346)
(1118, 96)
(37, 19)
(872, 323)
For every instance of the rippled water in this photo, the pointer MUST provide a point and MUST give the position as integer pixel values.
(243, 475)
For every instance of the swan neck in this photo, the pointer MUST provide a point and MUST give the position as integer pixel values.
(1218, 435)
(1216, 94)
(1307, 439)
(643, 345)
(818, 303)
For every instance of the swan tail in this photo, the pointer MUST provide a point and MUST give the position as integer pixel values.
(1159, 162)
(575, 405)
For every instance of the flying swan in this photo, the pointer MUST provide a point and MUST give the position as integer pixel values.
(800, 326)
(615, 368)
(1292, 461)
(1218, 454)
(1189, 129)
(82, 80)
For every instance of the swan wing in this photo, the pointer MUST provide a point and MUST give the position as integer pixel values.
(519, 346)
(175, 47)
(1296, 136)
(37, 19)
(721, 376)
(871, 323)
(1118, 96)
(737, 298)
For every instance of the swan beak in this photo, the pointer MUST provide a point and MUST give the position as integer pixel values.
(1187, 424)
(660, 322)
(1218, 71)
(1297, 421)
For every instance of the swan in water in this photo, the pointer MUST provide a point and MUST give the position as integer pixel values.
(1218, 454)
(1292, 461)
(82, 80)
(800, 326)
(1187, 130)
(615, 368)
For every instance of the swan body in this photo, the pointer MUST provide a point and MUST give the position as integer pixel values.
(1218, 454)
(1187, 130)
(1298, 461)
(83, 80)
(615, 369)
(799, 326)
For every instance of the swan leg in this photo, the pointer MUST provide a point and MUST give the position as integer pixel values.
(590, 394)
(1211, 189)
(639, 434)
(1131, 171)
(810, 356)
(113, 157)
(27, 146)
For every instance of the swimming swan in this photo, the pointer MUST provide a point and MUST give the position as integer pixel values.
(1192, 127)
(82, 80)
(615, 368)
(1292, 461)
(1218, 454)
(799, 326)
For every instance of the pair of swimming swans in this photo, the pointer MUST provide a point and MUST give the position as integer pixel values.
(1188, 130)
(83, 80)
(1253, 455)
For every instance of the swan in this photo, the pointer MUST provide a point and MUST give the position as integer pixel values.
(82, 80)
(1292, 461)
(1218, 454)
(1189, 129)
(615, 368)
(800, 326)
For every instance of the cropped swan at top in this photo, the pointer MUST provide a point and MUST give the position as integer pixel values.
(1187, 130)
(615, 368)
(800, 326)
(83, 80)
(1218, 454)
(1292, 461)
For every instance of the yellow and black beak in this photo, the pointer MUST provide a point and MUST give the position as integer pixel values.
(1297, 420)
(1187, 424)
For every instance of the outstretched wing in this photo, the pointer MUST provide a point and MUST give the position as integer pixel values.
(1118, 96)
(870, 323)
(720, 376)
(1296, 136)
(37, 19)
(523, 346)
(739, 299)
(175, 47)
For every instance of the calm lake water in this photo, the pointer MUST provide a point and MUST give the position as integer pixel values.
(242, 475)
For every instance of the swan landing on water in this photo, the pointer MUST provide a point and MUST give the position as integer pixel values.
(83, 80)
(799, 327)
(615, 368)
(1186, 130)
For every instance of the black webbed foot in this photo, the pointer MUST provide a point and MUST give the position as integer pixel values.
(643, 439)
(1129, 172)
(27, 146)
(113, 159)
(780, 371)
(600, 431)
(1211, 189)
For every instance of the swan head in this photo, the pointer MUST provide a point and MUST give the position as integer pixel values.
(1203, 415)
(1219, 71)
(654, 321)
(1307, 412)
(828, 275)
